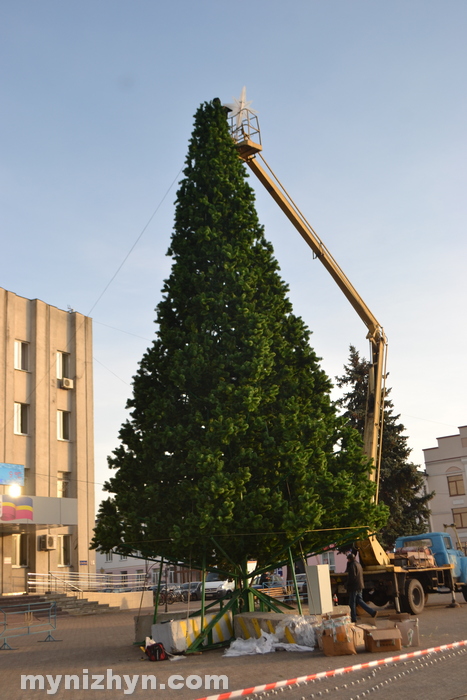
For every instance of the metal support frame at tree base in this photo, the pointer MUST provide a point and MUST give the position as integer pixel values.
(245, 597)
(240, 599)
(243, 600)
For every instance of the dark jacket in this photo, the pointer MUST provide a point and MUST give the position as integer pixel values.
(354, 576)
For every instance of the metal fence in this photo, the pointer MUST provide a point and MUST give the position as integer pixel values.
(77, 584)
(74, 583)
(27, 618)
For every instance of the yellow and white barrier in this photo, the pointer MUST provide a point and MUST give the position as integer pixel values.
(288, 628)
(253, 624)
(177, 635)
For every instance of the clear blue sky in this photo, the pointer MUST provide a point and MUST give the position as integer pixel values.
(362, 107)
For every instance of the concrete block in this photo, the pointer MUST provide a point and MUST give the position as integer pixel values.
(144, 623)
(177, 635)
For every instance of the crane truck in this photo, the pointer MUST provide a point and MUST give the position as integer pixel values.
(404, 580)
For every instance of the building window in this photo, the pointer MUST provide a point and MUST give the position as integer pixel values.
(124, 577)
(108, 556)
(63, 425)
(123, 557)
(19, 550)
(63, 484)
(63, 365)
(460, 517)
(21, 418)
(64, 550)
(140, 576)
(21, 355)
(329, 559)
(456, 485)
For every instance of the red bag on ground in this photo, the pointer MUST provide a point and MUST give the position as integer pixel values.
(156, 652)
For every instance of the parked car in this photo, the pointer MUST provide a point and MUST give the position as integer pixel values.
(192, 590)
(217, 587)
(274, 581)
(301, 585)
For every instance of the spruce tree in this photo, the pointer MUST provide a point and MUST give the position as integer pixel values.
(401, 485)
(233, 448)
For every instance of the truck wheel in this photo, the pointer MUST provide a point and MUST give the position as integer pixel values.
(464, 592)
(414, 599)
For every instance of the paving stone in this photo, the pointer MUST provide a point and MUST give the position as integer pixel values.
(100, 643)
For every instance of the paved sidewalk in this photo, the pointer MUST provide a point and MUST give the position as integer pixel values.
(104, 644)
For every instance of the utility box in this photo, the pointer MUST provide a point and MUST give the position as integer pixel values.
(319, 589)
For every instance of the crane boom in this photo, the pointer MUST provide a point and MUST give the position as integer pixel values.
(311, 238)
(244, 129)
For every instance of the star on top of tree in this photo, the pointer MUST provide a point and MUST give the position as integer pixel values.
(240, 107)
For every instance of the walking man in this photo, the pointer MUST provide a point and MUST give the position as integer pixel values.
(355, 587)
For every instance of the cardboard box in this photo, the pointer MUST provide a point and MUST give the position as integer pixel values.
(359, 636)
(384, 624)
(338, 641)
(380, 639)
(408, 626)
(359, 639)
(337, 611)
(330, 622)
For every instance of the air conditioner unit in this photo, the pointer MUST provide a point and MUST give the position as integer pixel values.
(67, 383)
(47, 542)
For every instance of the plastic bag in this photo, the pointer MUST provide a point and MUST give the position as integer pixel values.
(301, 627)
(264, 645)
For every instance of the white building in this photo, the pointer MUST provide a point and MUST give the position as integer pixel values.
(446, 474)
(121, 569)
(46, 441)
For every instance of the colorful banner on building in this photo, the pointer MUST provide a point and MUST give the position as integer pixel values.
(19, 508)
(11, 474)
